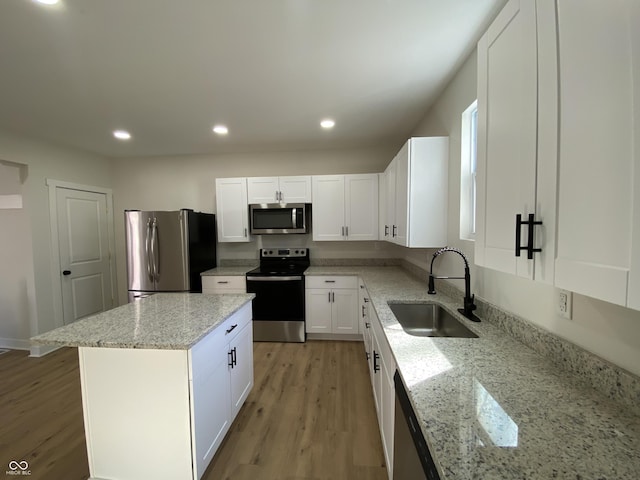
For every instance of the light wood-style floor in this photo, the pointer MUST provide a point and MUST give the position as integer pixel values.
(310, 416)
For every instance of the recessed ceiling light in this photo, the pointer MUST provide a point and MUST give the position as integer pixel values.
(220, 129)
(47, 2)
(121, 134)
(327, 123)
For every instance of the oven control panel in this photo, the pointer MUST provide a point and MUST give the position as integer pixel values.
(283, 252)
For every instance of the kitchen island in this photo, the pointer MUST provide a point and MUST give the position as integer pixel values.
(162, 380)
(492, 408)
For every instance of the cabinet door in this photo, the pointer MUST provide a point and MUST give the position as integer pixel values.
(402, 196)
(232, 210)
(295, 189)
(507, 130)
(211, 407)
(263, 190)
(328, 207)
(390, 193)
(361, 206)
(388, 409)
(383, 227)
(598, 172)
(344, 310)
(241, 349)
(318, 310)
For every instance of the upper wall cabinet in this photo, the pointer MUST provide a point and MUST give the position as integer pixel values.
(598, 237)
(231, 210)
(345, 207)
(416, 184)
(279, 189)
(517, 141)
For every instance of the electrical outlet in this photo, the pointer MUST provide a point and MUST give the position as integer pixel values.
(564, 304)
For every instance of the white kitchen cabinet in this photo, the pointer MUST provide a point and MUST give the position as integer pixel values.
(517, 139)
(345, 207)
(598, 247)
(224, 284)
(382, 370)
(156, 413)
(416, 193)
(331, 305)
(241, 374)
(232, 212)
(291, 189)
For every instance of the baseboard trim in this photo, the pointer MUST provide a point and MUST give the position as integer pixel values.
(15, 344)
(42, 350)
(350, 337)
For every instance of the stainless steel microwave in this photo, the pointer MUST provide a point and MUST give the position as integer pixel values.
(278, 218)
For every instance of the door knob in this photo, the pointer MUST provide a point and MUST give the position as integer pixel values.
(66, 272)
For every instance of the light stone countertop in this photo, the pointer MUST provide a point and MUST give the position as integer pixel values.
(174, 321)
(238, 270)
(492, 408)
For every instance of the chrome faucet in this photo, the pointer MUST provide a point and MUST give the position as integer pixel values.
(469, 306)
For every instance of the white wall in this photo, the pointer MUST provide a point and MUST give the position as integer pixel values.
(170, 183)
(16, 273)
(610, 331)
(42, 160)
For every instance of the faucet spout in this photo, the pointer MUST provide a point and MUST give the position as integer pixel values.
(468, 302)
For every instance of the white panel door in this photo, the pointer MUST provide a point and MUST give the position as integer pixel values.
(328, 208)
(318, 310)
(361, 206)
(507, 134)
(390, 194)
(232, 213)
(83, 240)
(263, 190)
(295, 189)
(242, 369)
(344, 310)
(403, 172)
(597, 157)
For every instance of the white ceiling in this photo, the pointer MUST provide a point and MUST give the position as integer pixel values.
(168, 70)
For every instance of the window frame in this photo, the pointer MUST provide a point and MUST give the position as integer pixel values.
(468, 171)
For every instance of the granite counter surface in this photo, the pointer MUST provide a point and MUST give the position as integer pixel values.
(492, 408)
(174, 321)
(233, 270)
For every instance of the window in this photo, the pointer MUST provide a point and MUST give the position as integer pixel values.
(468, 150)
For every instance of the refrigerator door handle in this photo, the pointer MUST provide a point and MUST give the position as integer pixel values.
(154, 249)
(147, 249)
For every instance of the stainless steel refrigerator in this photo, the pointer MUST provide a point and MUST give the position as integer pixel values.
(167, 251)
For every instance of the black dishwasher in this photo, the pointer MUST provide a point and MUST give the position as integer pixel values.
(411, 457)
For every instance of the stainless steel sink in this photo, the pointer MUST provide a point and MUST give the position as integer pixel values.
(429, 320)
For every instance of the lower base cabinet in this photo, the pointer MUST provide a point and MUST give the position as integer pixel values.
(331, 304)
(162, 414)
(382, 367)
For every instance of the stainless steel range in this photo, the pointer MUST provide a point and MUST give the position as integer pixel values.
(278, 308)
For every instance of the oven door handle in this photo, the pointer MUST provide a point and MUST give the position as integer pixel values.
(274, 279)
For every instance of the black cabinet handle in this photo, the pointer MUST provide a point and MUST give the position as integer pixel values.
(386, 230)
(234, 357)
(230, 361)
(66, 272)
(530, 222)
(394, 231)
(376, 365)
(362, 311)
(367, 325)
(232, 327)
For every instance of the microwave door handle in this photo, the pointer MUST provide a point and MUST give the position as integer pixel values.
(294, 223)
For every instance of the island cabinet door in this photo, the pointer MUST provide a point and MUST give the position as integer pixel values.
(211, 397)
(241, 369)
